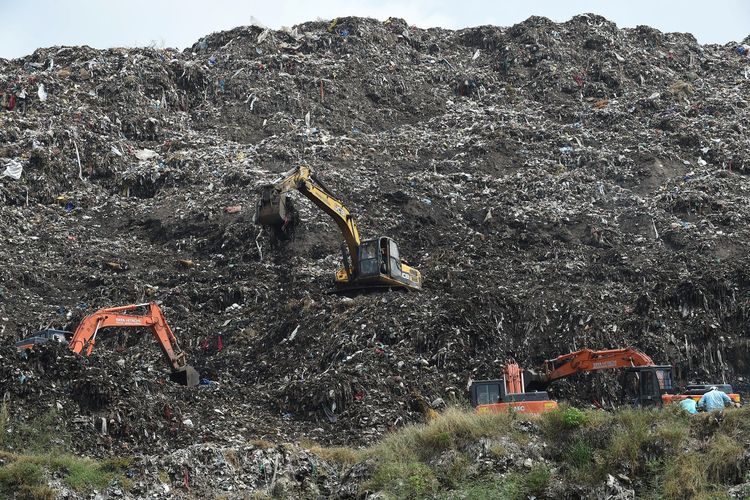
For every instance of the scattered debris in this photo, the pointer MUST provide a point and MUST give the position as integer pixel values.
(559, 185)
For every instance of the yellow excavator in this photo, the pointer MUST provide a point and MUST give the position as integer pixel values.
(374, 263)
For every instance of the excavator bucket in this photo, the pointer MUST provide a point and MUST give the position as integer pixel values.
(271, 210)
(276, 211)
(187, 375)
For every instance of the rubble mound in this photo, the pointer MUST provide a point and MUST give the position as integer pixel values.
(558, 185)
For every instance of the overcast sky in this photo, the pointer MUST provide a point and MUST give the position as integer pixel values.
(28, 24)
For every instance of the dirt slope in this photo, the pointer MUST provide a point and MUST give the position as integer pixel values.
(558, 185)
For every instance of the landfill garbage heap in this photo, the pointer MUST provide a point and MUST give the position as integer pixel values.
(559, 186)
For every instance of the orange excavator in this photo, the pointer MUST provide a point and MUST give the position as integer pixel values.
(524, 391)
(84, 338)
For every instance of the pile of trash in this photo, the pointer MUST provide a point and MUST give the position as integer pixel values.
(558, 185)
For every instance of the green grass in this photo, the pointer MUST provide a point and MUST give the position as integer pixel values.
(722, 459)
(536, 481)
(4, 420)
(579, 454)
(685, 477)
(666, 453)
(453, 429)
(81, 474)
(34, 450)
(26, 492)
(339, 454)
(39, 435)
(735, 423)
(20, 473)
(403, 459)
(403, 480)
(629, 435)
(512, 486)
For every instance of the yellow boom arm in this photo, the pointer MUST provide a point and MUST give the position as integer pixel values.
(303, 180)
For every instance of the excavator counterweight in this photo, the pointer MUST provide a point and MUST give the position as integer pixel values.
(374, 263)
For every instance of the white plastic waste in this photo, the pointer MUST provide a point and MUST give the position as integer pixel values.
(13, 169)
(146, 154)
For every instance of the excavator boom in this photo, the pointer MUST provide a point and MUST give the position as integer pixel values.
(587, 360)
(274, 211)
(84, 338)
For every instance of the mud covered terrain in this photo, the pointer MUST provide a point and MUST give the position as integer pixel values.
(559, 186)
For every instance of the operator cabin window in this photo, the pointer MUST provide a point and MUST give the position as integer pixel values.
(488, 394)
(368, 258)
(395, 261)
(665, 379)
(647, 383)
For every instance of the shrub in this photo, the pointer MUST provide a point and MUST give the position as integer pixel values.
(573, 418)
(561, 419)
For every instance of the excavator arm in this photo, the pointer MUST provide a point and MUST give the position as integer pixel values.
(84, 338)
(587, 360)
(303, 180)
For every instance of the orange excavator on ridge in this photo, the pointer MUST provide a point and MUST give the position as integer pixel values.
(84, 338)
(524, 391)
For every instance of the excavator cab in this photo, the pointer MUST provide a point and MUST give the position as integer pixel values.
(42, 337)
(379, 257)
(379, 260)
(490, 396)
(645, 385)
